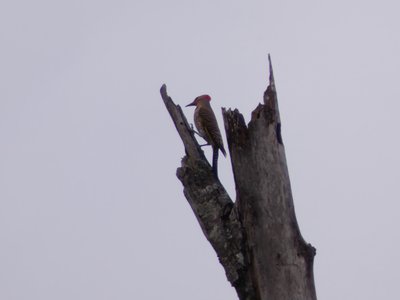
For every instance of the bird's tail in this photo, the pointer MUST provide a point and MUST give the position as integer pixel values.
(223, 150)
(215, 161)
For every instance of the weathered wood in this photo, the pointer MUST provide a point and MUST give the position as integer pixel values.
(211, 204)
(257, 238)
(192, 148)
(280, 260)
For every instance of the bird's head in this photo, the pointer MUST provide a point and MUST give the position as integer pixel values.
(200, 99)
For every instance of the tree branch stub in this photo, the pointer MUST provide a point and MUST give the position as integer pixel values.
(209, 201)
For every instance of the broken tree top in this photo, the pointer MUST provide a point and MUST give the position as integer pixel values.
(256, 238)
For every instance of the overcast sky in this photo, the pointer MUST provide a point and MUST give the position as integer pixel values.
(90, 207)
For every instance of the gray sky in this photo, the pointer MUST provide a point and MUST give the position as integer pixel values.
(90, 205)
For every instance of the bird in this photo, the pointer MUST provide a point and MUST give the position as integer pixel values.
(206, 124)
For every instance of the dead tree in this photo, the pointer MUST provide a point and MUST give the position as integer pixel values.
(256, 238)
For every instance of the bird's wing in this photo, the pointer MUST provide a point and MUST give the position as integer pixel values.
(210, 127)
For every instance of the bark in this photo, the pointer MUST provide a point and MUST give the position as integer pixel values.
(256, 238)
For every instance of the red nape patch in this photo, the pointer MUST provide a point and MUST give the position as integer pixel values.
(206, 97)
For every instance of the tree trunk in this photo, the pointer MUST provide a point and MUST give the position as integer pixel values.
(256, 238)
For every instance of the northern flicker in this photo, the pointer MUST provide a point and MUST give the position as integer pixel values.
(206, 124)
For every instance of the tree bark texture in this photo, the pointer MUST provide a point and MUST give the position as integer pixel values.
(256, 238)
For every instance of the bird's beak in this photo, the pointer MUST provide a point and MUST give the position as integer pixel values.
(191, 104)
